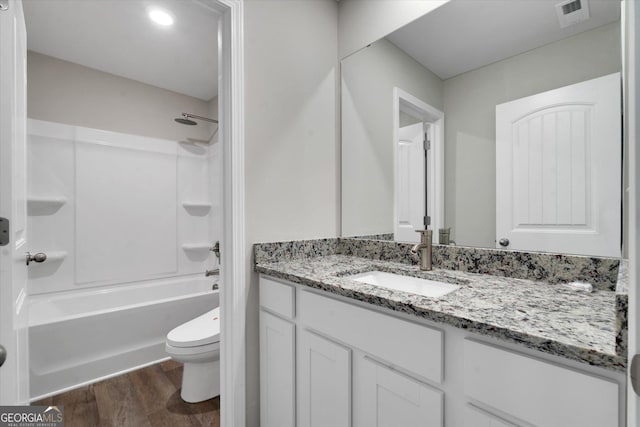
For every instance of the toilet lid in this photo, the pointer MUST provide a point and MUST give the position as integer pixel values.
(202, 330)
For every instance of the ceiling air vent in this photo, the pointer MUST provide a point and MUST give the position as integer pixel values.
(571, 12)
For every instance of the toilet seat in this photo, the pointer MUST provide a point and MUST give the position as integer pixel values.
(202, 330)
(213, 348)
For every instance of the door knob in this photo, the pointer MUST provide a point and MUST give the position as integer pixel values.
(39, 257)
(3, 355)
(504, 242)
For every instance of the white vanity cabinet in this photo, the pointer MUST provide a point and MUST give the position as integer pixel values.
(328, 361)
(390, 360)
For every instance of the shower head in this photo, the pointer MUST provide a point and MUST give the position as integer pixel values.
(186, 119)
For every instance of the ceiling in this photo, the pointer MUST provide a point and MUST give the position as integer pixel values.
(117, 37)
(464, 35)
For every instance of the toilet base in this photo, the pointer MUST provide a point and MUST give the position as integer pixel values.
(200, 381)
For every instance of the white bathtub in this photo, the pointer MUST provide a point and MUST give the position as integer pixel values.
(85, 336)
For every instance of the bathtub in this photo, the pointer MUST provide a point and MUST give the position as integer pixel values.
(82, 337)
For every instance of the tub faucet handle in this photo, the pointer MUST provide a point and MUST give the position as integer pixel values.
(211, 272)
(39, 257)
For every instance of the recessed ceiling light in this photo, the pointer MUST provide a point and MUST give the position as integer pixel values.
(160, 17)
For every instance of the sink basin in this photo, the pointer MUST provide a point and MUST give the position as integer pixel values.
(397, 282)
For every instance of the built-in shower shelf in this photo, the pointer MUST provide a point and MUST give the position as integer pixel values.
(197, 208)
(42, 205)
(196, 246)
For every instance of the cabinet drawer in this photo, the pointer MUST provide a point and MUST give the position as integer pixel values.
(538, 392)
(406, 345)
(277, 297)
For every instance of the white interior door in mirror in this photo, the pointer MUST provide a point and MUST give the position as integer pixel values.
(409, 183)
(558, 169)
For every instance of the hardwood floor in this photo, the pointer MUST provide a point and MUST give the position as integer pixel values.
(149, 397)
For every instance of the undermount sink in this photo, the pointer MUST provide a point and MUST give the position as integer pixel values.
(397, 282)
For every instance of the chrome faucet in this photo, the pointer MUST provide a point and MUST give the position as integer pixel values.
(425, 248)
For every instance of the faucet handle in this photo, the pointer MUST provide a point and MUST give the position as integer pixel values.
(427, 235)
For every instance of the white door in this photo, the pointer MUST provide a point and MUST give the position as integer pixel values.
(558, 170)
(390, 398)
(409, 183)
(324, 382)
(14, 374)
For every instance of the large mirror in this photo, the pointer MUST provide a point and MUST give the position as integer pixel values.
(496, 122)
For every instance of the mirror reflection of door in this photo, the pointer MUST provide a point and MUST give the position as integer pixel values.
(410, 182)
(418, 135)
(558, 156)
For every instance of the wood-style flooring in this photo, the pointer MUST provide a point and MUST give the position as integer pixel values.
(149, 397)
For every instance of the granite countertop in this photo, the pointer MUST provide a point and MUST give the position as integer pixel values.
(551, 318)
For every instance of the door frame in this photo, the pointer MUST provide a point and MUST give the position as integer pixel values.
(631, 91)
(403, 101)
(233, 289)
(232, 298)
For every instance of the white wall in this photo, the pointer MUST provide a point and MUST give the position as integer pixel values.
(361, 22)
(368, 79)
(291, 51)
(469, 104)
(64, 92)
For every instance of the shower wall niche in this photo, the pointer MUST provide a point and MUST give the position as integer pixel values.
(110, 208)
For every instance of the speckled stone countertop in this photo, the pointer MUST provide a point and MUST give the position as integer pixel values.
(550, 318)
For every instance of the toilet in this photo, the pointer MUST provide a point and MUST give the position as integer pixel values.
(196, 344)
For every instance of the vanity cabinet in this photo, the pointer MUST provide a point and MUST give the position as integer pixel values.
(328, 361)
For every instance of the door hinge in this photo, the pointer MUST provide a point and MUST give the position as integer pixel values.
(4, 231)
(427, 143)
(4, 4)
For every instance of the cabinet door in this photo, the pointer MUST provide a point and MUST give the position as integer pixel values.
(277, 372)
(390, 398)
(474, 417)
(324, 382)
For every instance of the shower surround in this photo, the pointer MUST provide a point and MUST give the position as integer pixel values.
(127, 223)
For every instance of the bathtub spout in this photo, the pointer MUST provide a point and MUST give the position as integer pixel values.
(212, 272)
